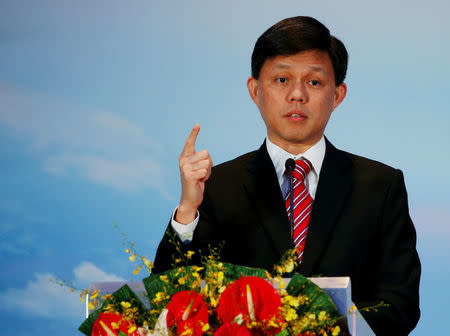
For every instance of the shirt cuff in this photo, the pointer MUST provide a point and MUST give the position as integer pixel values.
(184, 232)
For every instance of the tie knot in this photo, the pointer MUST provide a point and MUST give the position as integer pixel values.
(302, 169)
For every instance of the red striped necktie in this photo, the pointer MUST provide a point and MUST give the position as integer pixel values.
(302, 205)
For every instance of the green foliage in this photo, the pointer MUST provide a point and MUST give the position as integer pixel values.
(161, 287)
(284, 332)
(124, 293)
(154, 284)
(317, 301)
(233, 272)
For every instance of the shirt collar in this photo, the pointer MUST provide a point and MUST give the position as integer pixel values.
(315, 155)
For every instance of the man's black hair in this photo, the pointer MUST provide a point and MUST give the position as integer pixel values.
(293, 35)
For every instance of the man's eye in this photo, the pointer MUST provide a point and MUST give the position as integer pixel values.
(314, 82)
(282, 80)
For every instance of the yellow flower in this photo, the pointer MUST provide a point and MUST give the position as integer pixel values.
(160, 296)
(132, 257)
(164, 278)
(187, 331)
(125, 305)
(206, 289)
(290, 266)
(127, 251)
(205, 327)
(281, 283)
(131, 329)
(182, 281)
(147, 262)
(273, 323)
(189, 254)
(137, 270)
(91, 306)
(322, 316)
(83, 295)
(220, 276)
(115, 325)
(292, 301)
(291, 315)
(213, 301)
(336, 331)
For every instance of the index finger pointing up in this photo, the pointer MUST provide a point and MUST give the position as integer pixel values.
(189, 146)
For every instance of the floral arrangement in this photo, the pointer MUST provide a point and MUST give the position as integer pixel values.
(217, 299)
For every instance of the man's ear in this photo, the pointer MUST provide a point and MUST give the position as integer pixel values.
(339, 94)
(252, 85)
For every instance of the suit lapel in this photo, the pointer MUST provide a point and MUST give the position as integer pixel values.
(334, 184)
(264, 190)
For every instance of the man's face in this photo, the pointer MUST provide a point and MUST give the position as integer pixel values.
(296, 95)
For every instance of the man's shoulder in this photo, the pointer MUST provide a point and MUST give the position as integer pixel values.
(365, 162)
(364, 166)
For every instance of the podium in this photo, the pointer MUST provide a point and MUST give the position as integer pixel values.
(338, 288)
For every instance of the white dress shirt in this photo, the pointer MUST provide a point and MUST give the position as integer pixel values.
(315, 155)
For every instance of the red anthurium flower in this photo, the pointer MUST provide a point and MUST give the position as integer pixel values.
(232, 329)
(189, 312)
(109, 324)
(255, 299)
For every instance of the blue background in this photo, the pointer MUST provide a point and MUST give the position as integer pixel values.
(97, 98)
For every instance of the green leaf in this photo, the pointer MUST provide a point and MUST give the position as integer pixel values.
(124, 293)
(283, 333)
(233, 272)
(153, 284)
(121, 334)
(86, 326)
(318, 299)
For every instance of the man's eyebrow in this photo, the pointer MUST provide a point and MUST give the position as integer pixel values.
(316, 68)
(281, 66)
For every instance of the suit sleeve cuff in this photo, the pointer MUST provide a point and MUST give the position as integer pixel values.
(184, 232)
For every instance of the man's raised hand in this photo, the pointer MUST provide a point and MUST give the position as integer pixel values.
(195, 169)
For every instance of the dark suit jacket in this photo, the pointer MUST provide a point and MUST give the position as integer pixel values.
(360, 227)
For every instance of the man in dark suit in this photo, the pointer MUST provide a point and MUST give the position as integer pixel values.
(359, 225)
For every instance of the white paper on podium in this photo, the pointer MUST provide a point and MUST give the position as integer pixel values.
(340, 291)
(338, 288)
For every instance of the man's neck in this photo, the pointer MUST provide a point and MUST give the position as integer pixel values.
(293, 148)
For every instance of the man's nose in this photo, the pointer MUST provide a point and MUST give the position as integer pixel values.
(297, 93)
